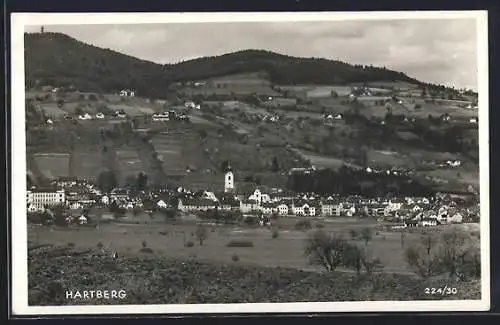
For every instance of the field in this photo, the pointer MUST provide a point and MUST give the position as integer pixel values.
(168, 240)
(129, 163)
(52, 165)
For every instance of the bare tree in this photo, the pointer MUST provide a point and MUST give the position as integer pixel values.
(201, 234)
(457, 252)
(325, 249)
(366, 235)
(354, 257)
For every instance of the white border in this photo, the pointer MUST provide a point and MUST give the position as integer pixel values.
(19, 272)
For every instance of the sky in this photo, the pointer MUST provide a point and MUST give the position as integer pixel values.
(440, 51)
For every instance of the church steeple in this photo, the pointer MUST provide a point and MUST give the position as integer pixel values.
(228, 179)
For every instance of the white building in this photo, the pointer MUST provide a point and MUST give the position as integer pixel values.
(229, 180)
(304, 210)
(331, 208)
(282, 209)
(38, 198)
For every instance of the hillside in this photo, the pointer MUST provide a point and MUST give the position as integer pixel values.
(60, 60)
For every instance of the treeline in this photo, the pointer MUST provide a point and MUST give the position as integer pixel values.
(59, 60)
(348, 181)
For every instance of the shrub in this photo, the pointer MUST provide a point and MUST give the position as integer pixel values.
(240, 243)
(144, 244)
(303, 225)
(100, 245)
(320, 225)
(235, 258)
(275, 233)
(146, 250)
(201, 234)
(164, 233)
(189, 244)
(71, 244)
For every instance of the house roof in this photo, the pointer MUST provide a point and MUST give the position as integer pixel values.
(269, 205)
(198, 202)
(249, 202)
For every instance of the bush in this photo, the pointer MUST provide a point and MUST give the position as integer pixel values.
(71, 244)
(240, 243)
(235, 258)
(320, 225)
(146, 250)
(189, 244)
(144, 244)
(303, 225)
(275, 233)
(100, 245)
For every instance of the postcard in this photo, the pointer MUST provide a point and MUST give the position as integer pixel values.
(225, 163)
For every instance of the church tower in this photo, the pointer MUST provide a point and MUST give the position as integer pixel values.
(229, 180)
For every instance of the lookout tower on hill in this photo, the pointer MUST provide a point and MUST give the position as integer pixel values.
(229, 180)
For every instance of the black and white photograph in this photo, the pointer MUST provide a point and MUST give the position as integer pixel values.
(185, 163)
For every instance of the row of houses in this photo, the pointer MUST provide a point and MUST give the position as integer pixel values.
(77, 195)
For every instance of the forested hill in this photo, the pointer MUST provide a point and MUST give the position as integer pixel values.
(60, 60)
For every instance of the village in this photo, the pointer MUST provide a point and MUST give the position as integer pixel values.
(79, 197)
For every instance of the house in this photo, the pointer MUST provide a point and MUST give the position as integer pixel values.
(248, 206)
(395, 204)
(75, 205)
(127, 92)
(411, 223)
(66, 182)
(99, 116)
(189, 104)
(304, 209)
(85, 116)
(269, 208)
(31, 208)
(429, 222)
(259, 197)
(49, 121)
(455, 218)
(196, 204)
(161, 204)
(45, 196)
(230, 204)
(473, 121)
(105, 200)
(282, 209)
(331, 208)
(82, 220)
(119, 194)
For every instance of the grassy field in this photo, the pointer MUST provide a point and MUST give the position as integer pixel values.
(168, 240)
(53, 165)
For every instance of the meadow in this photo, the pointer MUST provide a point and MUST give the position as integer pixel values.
(168, 240)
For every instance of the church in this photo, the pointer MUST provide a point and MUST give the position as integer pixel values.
(229, 180)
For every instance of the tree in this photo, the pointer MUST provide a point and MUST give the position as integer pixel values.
(78, 111)
(142, 181)
(106, 181)
(354, 257)
(201, 233)
(60, 103)
(59, 215)
(275, 167)
(325, 249)
(422, 258)
(366, 235)
(455, 251)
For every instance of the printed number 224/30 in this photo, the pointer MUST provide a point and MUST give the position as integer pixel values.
(441, 291)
